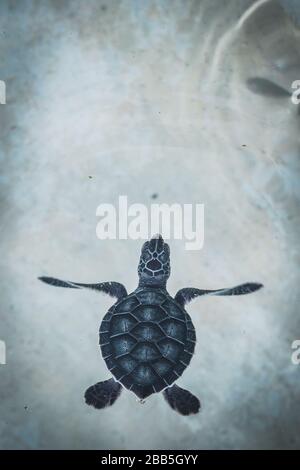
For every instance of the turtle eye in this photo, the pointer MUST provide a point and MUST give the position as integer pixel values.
(164, 257)
(146, 255)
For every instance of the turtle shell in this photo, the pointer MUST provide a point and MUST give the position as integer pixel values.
(147, 340)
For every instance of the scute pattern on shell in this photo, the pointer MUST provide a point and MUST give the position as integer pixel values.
(147, 340)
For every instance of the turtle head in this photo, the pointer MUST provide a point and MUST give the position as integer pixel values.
(154, 265)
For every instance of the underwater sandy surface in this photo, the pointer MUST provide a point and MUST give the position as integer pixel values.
(141, 98)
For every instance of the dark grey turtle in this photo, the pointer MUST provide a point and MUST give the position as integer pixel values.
(147, 338)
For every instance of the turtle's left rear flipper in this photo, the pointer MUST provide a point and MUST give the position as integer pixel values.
(181, 400)
(114, 289)
(103, 394)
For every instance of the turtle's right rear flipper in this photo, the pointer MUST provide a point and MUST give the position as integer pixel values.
(103, 394)
(181, 400)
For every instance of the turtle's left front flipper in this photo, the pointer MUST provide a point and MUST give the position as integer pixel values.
(114, 289)
(184, 296)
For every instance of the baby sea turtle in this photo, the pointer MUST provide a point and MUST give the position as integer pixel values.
(147, 338)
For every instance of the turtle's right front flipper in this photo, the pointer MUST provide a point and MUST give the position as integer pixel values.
(187, 294)
(114, 289)
(103, 394)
